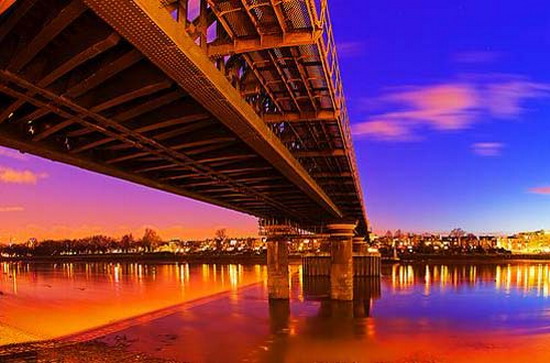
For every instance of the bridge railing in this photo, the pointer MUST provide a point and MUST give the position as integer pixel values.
(203, 22)
(332, 70)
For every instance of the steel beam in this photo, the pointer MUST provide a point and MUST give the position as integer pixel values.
(320, 153)
(118, 132)
(65, 17)
(266, 42)
(47, 152)
(301, 117)
(153, 31)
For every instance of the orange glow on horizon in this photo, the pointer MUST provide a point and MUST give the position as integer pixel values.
(59, 232)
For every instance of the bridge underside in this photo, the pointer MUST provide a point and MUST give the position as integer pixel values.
(117, 88)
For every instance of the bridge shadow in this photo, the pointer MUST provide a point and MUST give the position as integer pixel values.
(365, 291)
(333, 320)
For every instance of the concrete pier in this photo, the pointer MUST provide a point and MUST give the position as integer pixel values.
(325, 243)
(341, 260)
(359, 245)
(277, 262)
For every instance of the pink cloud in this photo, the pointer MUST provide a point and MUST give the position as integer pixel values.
(450, 106)
(505, 99)
(443, 107)
(9, 175)
(540, 190)
(11, 209)
(487, 148)
(444, 98)
(382, 129)
(446, 106)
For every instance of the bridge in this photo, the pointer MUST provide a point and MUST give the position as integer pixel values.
(237, 103)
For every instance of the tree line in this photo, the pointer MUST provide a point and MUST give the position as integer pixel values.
(98, 244)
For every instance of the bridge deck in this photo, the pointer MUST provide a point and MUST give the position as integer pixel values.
(236, 103)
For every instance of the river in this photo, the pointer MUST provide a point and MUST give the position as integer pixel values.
(443, 312)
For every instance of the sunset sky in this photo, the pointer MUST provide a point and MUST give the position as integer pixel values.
(449, 104)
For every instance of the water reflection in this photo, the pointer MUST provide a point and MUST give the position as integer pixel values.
(418, 312)
(323, 321)
(528, 278)
(49, 300)
(365, 291)
(436, 312)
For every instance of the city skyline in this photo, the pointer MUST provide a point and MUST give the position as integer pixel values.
(460, 144)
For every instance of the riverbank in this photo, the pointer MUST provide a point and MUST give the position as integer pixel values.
(11, 335)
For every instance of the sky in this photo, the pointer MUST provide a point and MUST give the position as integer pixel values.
(448, 100)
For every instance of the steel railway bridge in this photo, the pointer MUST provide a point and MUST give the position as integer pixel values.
(237, 103)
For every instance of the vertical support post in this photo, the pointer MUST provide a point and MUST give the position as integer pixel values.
(203, 23)
(324, 243)
(359, 245)
(182, 13)
(341, 256)
(278, 286)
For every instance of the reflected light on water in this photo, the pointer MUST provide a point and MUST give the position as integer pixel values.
(52, 300)
(527, 278)
(418, 312)
(233, 276)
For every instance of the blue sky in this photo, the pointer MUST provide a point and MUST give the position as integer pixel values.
(449, 103)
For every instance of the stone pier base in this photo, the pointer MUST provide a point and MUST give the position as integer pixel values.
(359, 245)
(341, 271)
(341, 260)
(277, 269)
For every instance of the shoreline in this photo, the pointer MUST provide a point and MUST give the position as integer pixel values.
(10, 335)
(14, 341)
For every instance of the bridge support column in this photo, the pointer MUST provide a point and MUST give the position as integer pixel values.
(341, 256)
(359, 245)
(278, 286)
(324, 243)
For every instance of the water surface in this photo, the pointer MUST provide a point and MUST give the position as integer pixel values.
(415, 313)
(43, 301)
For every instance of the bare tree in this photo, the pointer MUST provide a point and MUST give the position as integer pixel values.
(151, 240)
(220, 237)
(458, 233)
(126, 242)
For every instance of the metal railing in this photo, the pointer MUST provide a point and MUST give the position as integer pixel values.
(318, 16)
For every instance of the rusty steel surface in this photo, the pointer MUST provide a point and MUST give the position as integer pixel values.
(238, 103)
